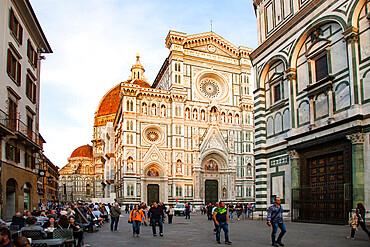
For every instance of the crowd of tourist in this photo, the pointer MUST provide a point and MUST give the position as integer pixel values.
(241, 210)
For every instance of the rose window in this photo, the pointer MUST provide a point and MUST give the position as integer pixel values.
(152, 135)
(210, 88)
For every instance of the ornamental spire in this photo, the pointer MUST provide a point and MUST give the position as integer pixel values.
(137, 70)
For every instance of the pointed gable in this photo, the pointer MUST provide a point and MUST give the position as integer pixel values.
(214, 140)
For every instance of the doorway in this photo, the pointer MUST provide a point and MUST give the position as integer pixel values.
(211, 191)
(10, 198)
(152, 193)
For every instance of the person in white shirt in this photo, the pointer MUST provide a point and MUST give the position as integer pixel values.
(213, 210)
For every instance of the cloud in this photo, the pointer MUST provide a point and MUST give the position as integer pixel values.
(95, 43)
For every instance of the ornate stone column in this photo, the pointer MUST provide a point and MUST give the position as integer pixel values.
(358, 175)
(351, 38)
(294, 175)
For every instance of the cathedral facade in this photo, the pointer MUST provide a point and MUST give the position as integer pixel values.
(188, 136)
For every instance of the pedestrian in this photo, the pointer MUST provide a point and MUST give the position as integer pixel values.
(156, 216)
(221, 221)
(126, 208)
(209, 211)
(239, 210)
(358, 219)
(115, 212)
(187, 211)
(213, 210)
(171, 212)
(275, 219)
(231, 211)
(136, 216)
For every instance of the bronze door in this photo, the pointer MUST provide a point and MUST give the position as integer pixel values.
(211, 191)
(152, 193)
(323, 197)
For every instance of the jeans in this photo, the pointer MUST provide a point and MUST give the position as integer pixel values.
(114, 220)
(154, 223)
(275, 226)
(136, 227)
(363, 226)
(231, 214)
(225, 227)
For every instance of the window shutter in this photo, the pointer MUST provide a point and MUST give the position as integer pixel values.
(20, 35)
(11, 20)
(29, 53)
(33, 92)
(19, 74)
(7, 151)
(17, 155)
(35, 59)
(9, 62)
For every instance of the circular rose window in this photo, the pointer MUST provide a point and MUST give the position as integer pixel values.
(210, 88)
(153, 134)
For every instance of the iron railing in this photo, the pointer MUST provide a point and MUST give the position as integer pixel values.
(17, 125)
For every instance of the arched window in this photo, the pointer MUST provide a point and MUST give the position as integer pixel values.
(163, 111)
(144, 108)
(187, 113)
(195, 114)
(202, 115)
(230, 118)
(154, 110)
(223, 117)
(237, 119)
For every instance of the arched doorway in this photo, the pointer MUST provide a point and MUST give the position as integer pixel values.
(152, 189)
(11, 188)
(27, 196)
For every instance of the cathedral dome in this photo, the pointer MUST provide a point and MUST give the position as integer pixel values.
(83, 151)
(109, 103)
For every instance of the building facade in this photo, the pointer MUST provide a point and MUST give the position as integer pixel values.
(80, 179)
(188, 137)
(48, 179)
(21, 46)
(312, 107)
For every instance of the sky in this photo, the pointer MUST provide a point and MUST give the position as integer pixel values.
(94, 45)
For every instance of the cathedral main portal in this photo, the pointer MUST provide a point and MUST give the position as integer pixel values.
(152, 193)
(211, 191)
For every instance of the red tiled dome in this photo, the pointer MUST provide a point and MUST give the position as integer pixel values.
(141, 83)
(83, 151)
(110, 102)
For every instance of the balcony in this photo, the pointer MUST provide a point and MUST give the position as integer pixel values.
(17, 127)
(6, 124)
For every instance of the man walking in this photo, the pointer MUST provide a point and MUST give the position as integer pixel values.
(156, 216)
(275, 219)
(220, 218)
(115, 212)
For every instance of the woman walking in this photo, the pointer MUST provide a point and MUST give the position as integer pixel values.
(170, 213)
(358, 219)
(136, 216)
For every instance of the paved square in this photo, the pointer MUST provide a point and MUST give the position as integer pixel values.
(198, 232)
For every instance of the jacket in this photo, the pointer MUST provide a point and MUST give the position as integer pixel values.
(115, 212)
(136, 215)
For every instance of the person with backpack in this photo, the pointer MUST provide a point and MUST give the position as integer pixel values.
(115, 212)
(136, 216)
(275, 219)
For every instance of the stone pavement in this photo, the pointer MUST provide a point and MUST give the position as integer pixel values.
(198, 232)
